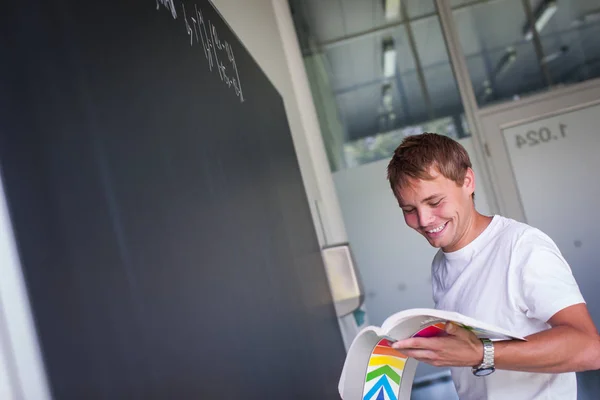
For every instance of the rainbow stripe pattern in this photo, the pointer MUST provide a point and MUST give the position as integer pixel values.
(384, 372)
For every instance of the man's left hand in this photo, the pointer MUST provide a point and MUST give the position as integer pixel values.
(460, 348)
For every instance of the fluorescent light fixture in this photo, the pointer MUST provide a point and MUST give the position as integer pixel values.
(392, 9)
(386, 97)
(542, 15)
(389, 57)
(557, 54)
(507, 60)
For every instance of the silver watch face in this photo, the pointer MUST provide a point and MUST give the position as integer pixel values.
(483, 371)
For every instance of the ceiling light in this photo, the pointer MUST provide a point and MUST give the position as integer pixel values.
(507, 60)
(542, 15)
(557, 54)
(387, 97)
(392, 9)
(389, 57)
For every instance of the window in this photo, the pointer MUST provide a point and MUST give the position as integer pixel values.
(378, 71)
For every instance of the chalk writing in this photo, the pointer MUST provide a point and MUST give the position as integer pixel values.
(169, 5)
(218, 52)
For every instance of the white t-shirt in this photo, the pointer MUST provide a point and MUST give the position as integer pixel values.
(512, 276)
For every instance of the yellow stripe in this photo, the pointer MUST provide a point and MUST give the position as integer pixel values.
(387, 360)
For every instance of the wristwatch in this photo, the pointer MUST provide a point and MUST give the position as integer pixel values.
(487, 366)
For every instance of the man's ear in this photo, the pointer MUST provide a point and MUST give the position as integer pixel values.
(469, 182)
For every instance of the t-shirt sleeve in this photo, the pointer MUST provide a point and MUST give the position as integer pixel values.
(547, 283)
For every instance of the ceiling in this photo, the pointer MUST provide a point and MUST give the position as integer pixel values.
(348, 34)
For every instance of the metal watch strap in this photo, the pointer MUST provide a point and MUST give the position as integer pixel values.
(488, 354)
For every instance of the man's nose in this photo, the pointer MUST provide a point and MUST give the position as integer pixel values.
(425, 218)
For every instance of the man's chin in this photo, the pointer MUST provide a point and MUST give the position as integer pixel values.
(434, 242)
(436, 245)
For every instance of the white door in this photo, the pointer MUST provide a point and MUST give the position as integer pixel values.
(545, 160)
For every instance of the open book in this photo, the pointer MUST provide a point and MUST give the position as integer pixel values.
(374, 370)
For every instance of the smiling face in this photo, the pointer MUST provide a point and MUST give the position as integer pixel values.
(440, 209)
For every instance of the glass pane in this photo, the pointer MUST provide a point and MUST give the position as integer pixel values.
(417, 9)
(376, 75)
(570, 38)
(502, 62)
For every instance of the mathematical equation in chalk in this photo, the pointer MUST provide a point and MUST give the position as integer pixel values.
(218, 53)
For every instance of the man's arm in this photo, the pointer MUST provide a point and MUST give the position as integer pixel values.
(572, 344)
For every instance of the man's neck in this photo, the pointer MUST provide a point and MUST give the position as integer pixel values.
(475, 227)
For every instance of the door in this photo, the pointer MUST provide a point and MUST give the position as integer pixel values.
(544, 161)
(545, 164)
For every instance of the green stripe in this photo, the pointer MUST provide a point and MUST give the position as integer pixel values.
(385, 370)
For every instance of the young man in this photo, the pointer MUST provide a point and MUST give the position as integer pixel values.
(497, 270)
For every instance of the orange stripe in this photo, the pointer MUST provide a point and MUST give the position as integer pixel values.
(388, 351)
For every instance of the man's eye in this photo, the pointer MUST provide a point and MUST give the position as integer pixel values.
(408, 210)
(437, 203)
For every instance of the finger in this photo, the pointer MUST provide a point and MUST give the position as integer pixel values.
(413, 343)
(433, 344)
(421, 355)
(451, 328)
(455, 330)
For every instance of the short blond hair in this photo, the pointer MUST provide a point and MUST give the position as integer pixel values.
(417, 154)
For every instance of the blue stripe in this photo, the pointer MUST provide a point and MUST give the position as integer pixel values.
(381, 383)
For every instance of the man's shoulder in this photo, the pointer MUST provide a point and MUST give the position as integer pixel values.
(508, 229)
(521, 236)
(511, 226)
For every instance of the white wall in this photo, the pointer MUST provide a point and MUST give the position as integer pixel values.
(394, 261)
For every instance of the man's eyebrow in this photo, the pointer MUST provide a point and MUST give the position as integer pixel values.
(425, 200)
(433, 196)
(401, 204)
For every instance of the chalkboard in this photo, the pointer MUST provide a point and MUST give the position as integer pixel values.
(161, 221)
